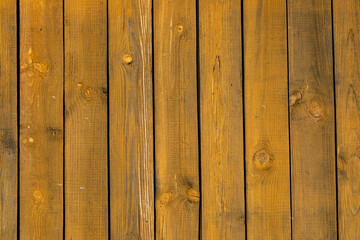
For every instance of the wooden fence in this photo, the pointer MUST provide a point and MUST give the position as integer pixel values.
(179, 119)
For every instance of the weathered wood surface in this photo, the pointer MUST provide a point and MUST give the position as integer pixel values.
(41, 120)
(176, 124)
(222, 152)
(312, 121)
(266, 120)
(347, 79)
(86, 157)
(131, 120)
(182, 119)
(8, 120)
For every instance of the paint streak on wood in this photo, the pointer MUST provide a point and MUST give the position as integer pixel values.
(176, 131)
(8, 120)
(86, 158)
(222, 163)
(131, 120)
(312, 125)
(347, 77)
(41, 101)
(266, 120)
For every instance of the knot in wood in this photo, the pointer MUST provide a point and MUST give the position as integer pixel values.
(315, 109)
(127, 59)
(180, 28)
(37, 196)
(192, 195)
(165, 198)
(87, 94)
(33, 68)
(294, 98)
(262, 159)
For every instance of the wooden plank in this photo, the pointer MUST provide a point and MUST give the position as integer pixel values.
(86, 160)
(8, 120)
(266, 120)
(312, 120)
(176, 131)
(131, 120)
(222, 162)
(41, 120)
(347, 77)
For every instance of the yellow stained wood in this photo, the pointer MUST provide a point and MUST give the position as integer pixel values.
(222, 153)
(312, 120)
(266, 120)
(8, 120)
(86, 160)
(131, 120)
(41, 120)
(176, 131)
(347, 77)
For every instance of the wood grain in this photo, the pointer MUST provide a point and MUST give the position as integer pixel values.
(8, 120)
(176, 131)
(266, 120)
(312, 120)
(347, 77)
(222, 162)
(86, 160)
(131, 120)
(41, 120)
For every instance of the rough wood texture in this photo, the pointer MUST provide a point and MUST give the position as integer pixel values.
(347, 77)
(41, 120)
(312, 120)
(266, 120)
(8, 120)
(176, 130)
(86, 160)
(222, 162)
(131, 120)
(153, 69)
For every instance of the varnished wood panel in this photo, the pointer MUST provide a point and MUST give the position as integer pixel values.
(131, 120)
(8, 120)
(347, 79)
(41, 120)
(86, 158)
(176, 124)
(222, 161)
(266, 120)
(312, 120)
